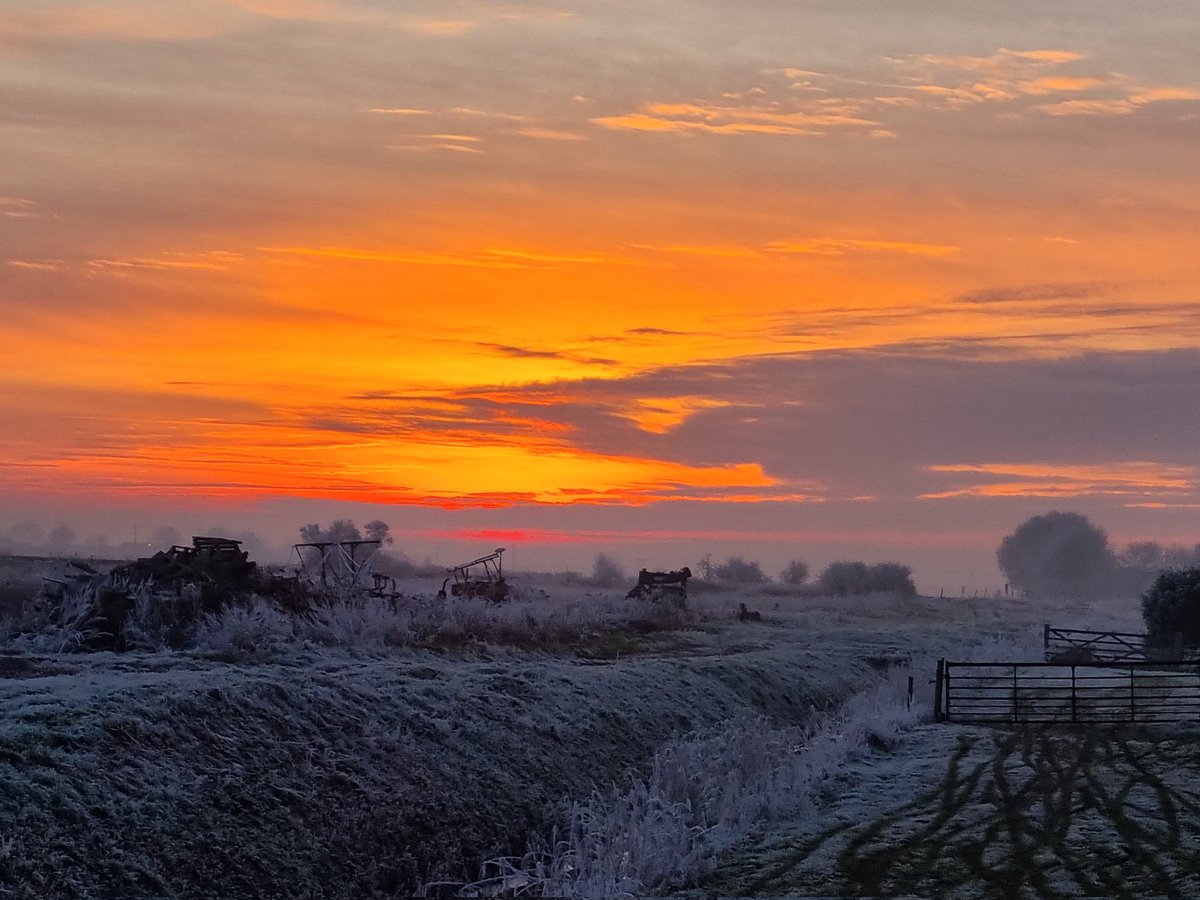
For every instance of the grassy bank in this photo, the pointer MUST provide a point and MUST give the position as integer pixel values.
(295, 767)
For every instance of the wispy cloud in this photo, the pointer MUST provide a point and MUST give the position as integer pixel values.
(805, 247)
(17, 208)
(511, 350)
(550, 134)
(309, 10)
(37, 266)
(842, 246)
(1135, 99)
(486, 258)
(753, 117)
(487, 114)
(704, 250)
(211, 260)
(1134, 478)
(660, 415)
(399, 111)
(1010, 77)
(482, 15)
(1037, 293)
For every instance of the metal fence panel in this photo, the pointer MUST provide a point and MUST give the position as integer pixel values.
(1022, 692)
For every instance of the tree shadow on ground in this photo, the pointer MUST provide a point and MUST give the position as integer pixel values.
(1050, 813)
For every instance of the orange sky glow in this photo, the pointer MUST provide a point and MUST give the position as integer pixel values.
(807, 278)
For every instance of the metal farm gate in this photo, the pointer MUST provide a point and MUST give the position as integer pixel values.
(1075, 645)
(1029, 692)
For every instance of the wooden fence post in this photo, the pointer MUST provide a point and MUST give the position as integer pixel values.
(939, 683)
(1046, 638)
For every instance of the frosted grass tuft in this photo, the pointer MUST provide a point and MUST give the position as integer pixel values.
(708, 792)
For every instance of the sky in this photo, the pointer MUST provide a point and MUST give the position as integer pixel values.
(784, 280)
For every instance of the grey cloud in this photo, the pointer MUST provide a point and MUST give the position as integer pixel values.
(870, 422)
(1033, 292)
(531, 353)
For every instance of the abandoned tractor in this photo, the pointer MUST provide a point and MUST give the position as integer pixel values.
(482, 578)
(656, 586)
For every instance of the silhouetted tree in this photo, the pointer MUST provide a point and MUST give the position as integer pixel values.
(891, 578)
(606, 572)
(1142, 555)
(844, 579)
(1172, 606)
(795, 572)
(338, 530)
(61, 539)
(1059, 554)
(739, 571)
(1140, 562)
(378, 531)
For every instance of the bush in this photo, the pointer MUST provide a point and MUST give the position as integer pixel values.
(844, 579)
(852, 579)
(739, 571)
(892, 578)
(795, 572)
(1172, 606)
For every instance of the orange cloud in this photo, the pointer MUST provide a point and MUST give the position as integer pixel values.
(399, 111)
(17, 208)
(1050, 84)
(840, 246)
(661, 415)
(550, 134)
(1058, 481)
(211, 260)
(746, 119)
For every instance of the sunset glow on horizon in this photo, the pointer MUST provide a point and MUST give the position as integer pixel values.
(607, 268)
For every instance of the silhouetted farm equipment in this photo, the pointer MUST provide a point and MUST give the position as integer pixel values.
(339, 566)
(176, 587)
(482, 578)
(661, 585)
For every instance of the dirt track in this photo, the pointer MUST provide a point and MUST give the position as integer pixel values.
(972, 812)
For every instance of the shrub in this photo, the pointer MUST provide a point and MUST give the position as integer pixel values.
(893, 578)
(844, 579)
(795, 572)
(1172, 606)
(851, 579)
(739, 571)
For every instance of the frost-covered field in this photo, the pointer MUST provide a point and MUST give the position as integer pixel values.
(352, 756)
(976, 812)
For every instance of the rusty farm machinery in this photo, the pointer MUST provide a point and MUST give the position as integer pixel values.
(482, 578)
(654, 586)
